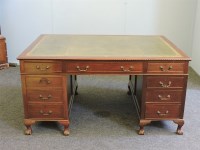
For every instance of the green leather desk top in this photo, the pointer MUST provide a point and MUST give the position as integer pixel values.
(102, 47)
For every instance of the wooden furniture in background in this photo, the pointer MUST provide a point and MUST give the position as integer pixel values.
(157, 71)
(3, 53)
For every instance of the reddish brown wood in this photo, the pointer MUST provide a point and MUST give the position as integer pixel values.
(158, 85)
(45, 99)
(162, 111)
(45, 110)
(44, 95)
(65, 123)
(168, 82)
(28, 123)
(89, 67)
(166, 67)
(143, 123)
(43, 67)
(180, 123)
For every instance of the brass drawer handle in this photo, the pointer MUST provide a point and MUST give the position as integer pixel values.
(45, 98)
(42, 69)
(165, 85)
(164, 98)
(162, 114)
(82, 70)
(46, 114)
(169, 68)
(126, 70)
(45, 80)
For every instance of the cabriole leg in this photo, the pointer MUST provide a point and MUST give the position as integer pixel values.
(66, 127)
(142, 124)
(180, 123)
(28, 123)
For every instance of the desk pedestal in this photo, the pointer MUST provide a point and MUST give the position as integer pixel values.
(159, 97)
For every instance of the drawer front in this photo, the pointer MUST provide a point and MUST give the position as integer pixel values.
(164, 96)
(104, 67)
(156, 111)
(44, 111)
(165, 82)
(42, 67)
(43, 81)
(44, 96)
(172, 68)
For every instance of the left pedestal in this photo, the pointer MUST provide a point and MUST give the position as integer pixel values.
(46, 93)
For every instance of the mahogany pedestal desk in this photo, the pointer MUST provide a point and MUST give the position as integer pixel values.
(157, 71)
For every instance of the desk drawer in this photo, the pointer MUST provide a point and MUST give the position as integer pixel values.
(42, 67)
(165, 82)
(171, 68)
(45, 111)
(156, 111)
(104, 67)
(164, 96)
(44, 95)
(43, 81)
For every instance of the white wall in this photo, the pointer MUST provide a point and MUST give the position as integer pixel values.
(195, 63)
(23, 20)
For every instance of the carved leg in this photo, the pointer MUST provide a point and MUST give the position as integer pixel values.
(28, 123)
(180, 123)
(65, 123)
(142, 124)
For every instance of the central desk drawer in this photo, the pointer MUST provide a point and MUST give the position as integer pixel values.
(104, 67)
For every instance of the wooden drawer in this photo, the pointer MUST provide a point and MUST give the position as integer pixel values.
(43, 81)
(165, 81)
(44, 111)
(44, 96)
(172, 68)
(164, 96)
(42, 67)
(104, 67)
(165, 111)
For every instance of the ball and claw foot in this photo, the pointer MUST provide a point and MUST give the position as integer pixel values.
(66, 132)
(142, 124)
(28, 132)
(179, 132)
(180, 123)
(141, 132)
